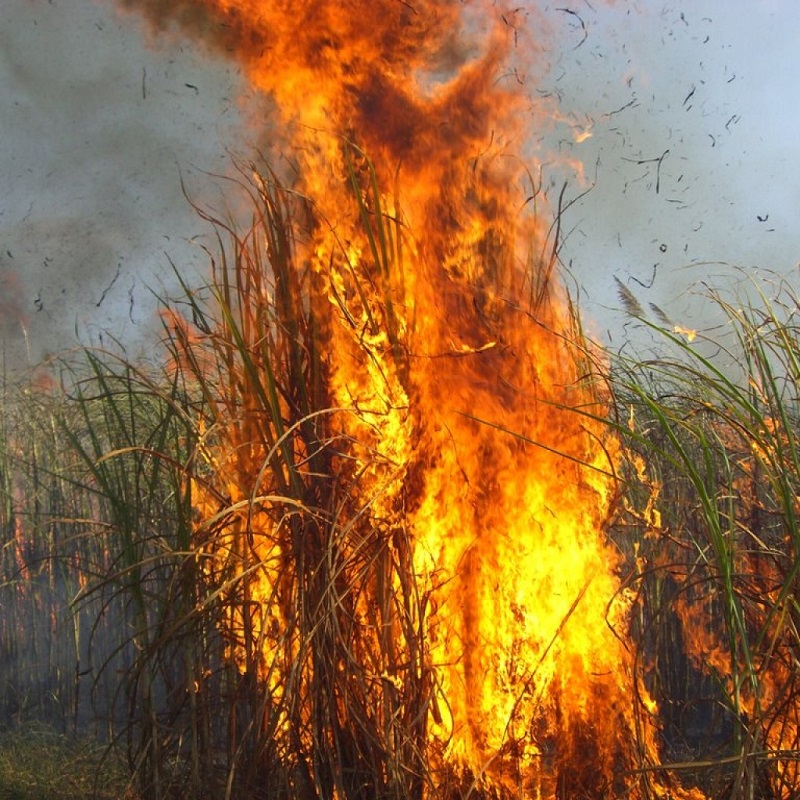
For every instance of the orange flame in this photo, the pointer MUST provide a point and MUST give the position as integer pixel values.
(473, 428)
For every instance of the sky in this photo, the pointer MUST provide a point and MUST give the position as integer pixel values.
(691, 172)
(710, 90)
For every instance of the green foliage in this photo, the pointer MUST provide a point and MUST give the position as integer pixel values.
(713, 425)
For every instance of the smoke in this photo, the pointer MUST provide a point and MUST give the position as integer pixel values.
(12, 315)
(683, 176)
(98, 133)
(409, 80)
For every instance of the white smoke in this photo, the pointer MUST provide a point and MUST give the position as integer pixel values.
(98, 131)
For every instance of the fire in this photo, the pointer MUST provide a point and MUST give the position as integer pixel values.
(756, 682)
(464, 418)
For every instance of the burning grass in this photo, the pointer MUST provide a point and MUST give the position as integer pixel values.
(382, 523)
(257, 602)
(719, 556)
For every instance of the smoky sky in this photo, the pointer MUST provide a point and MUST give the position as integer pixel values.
(98, 131)
(692, 162)
(691, 166)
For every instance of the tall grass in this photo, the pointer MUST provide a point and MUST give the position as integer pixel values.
(273, 624)
(247, 623)
(712, 427)
(254, 629)
(43, 643)
(323, 616)
(134, 441)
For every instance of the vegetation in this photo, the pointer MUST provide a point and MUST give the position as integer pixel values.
(712, 427)
(37, 763)
(185, 563)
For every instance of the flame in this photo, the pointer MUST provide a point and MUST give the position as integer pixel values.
(757, 682)
(688, 333)
(469, 422)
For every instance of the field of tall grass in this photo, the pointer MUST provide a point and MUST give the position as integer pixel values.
(145, 508)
